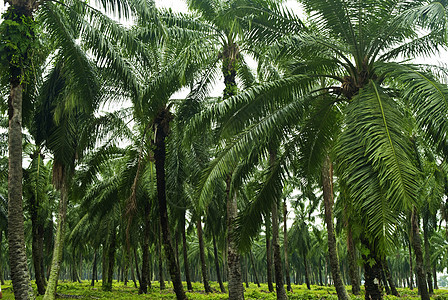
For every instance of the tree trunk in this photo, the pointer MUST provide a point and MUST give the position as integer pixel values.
(384, 280)
(133, 274)
(110, 260)
(285, 246)
(389, 279)
(37, 245)
(269, 253)
(421, 280)
(352, 265)
(427, 256)
(307, 277)
(17, 12)
(218, 273)
(161, 279)
(253, 267)
(320, 272)
(161, 129)
(50, 293)
(94, 267)
(145, 283)
(202, 257)
(236, 289)
(280, 288)
(411, 271)
(372, 274)
(185, 253)
(434, 275)
(327, 187)
(139, 278)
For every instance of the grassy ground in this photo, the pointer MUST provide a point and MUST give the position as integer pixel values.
(69, 290)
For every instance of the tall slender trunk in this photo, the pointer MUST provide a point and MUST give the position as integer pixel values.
(185, 253)
(94, 267)
(417, 244)
(218, 273)
(255, 270)
(327, 187)
(285, 246)
(50, 293)
(269, 253)
(18, 12)
(236, 289)
(161, 130)
(145, 283)
(160, 257)
(133, 274)
(353, 267)
(202, 257)
(427, 257)
(389, 278)
(230, 57)
(281, 293)
(384, 280)
(307, 277)
(411, 271)
(320, 272)
(434, 275)
(107, 286)
(139, 278)
(37, 245)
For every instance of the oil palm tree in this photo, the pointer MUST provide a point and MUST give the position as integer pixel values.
(344, 71)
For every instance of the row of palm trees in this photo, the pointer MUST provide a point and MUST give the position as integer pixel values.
(331, 94)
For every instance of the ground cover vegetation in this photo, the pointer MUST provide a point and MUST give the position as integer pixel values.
(323, 165)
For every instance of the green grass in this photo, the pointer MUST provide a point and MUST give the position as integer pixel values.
(119, 291)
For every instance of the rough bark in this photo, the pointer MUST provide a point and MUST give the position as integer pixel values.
(218, 273)
(280, 288)
(353, 267)
(269, 253)
(160, 257)
(236, 289)
(107, 286)
(307, 276)
(16, 236)
(230, 56)
(207, 287)
(417, 245)
(327, 187)
(285, 246)
(185, 254)
(161, 130)
(50, 293)
(389, 279)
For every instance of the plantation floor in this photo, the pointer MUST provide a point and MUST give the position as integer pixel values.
(70, 290)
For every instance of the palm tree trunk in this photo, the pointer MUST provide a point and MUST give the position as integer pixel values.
(372, 274)
(160, 256)
(353, 267)
(94, 267)
(110, 260)
(218, 273)
(307, 277)
(16, 236)
(202, 257)
(269, 253)
(236, 289)
(133, 274)
(37, 246)
(145, 283)
(411, 271)
(50, 293)
(427, 256)
(281, 293)
(139, 278)
(285, 246)
(434, 275)
(185, 253)
(421, 280)
(389, 279)
(161, 129)
(253, 267)
(384, 280)
(327, 187)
